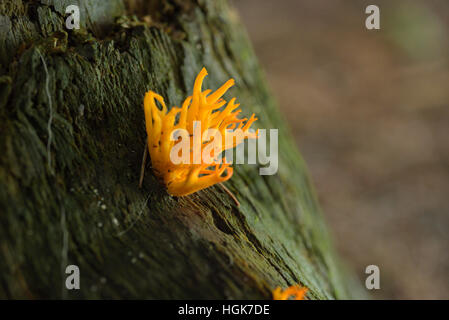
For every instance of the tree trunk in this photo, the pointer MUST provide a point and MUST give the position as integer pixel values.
(72, 136)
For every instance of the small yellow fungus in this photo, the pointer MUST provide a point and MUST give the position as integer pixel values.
(295, 292)
(203, 108)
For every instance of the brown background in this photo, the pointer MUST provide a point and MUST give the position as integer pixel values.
(370, 113)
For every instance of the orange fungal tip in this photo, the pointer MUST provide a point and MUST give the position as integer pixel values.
(295, 292)
(200, 112)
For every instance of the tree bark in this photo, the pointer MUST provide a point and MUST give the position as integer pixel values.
(72, 136)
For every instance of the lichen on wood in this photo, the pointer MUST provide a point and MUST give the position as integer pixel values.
(130, 242)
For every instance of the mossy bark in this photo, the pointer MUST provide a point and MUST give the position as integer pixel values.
(72, 138)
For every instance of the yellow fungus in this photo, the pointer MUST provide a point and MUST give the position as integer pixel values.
(203, 108)
(295, 292)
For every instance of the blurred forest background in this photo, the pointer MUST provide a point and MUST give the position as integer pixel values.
(370, 113)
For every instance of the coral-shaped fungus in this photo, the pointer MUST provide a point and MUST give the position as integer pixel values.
(204, 108)
(295, 292)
